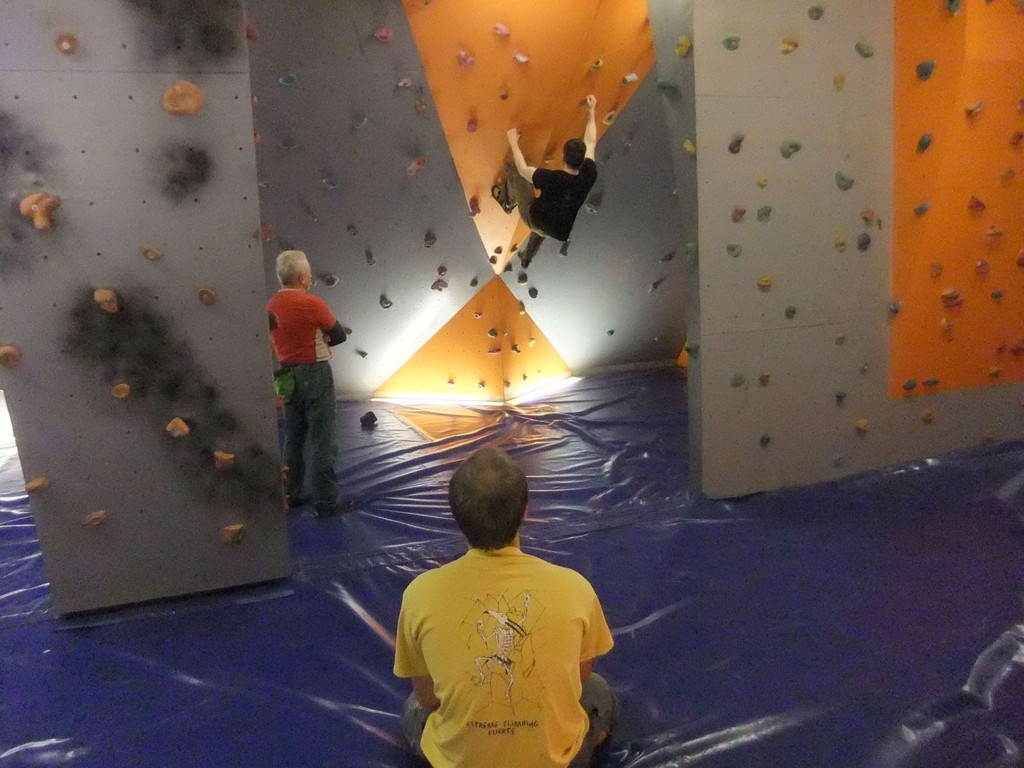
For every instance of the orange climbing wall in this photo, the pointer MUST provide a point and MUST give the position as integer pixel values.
(464, 361)
(561, 41)
(979, 56)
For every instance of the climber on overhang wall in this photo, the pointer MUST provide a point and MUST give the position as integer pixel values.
(562, 193)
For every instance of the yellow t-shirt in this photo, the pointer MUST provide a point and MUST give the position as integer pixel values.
(502, 635)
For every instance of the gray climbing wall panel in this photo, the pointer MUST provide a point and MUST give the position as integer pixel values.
(88, 125)
(792, 372)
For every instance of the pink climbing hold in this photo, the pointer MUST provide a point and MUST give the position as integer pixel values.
(975, 204)
(465, 58)
(993, 236)
(982, 267)
(952, 298)
(416, 166)
(472, 125)
(1020, 258)
(520, 58)
(738, 212)
(474, 205)
(404, 82)
(266, 230)
(421, 104)
(252, 32)
(501, 30)
(384, 34)
(1017, 138)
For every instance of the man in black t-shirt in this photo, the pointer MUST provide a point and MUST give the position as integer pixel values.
(562, 193)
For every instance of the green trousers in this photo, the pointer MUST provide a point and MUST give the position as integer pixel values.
(310, 412)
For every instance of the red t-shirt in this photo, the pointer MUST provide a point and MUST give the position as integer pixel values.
(301, 317)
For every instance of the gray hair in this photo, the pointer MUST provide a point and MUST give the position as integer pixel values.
(290, 266)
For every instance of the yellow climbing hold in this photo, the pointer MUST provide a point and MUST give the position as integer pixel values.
(764, 283)
(788, 44)
(689, 147)
(839, 81)
(841, 243)
(862, 426)
(683, 46)
(761, 181)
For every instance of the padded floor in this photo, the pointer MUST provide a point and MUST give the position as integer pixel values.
(823, 627)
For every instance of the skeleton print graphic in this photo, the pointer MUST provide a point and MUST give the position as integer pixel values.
(503, 641)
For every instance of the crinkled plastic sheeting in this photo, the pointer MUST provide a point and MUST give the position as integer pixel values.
(872, 622)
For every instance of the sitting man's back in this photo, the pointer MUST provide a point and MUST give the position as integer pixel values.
(499, 643)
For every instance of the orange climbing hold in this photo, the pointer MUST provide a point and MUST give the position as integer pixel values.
(223, 459)
(97, 517)
(207, 295)
(177, 427)
(106, 299)
(10, 356)
(37, 484)
(183, 98)
(121, 391)
(40, 207)
(67, 43)
(151, 252)
(232, 534)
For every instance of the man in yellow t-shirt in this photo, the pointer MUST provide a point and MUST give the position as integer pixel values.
(499, 644)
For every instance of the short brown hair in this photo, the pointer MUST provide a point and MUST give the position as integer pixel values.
(574, 153)
(488, 498)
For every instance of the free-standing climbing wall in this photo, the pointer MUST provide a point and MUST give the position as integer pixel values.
(795, 162)
(135, 349)
(378, 124)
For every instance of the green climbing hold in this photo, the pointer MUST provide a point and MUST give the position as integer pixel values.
(670, 89)
(764, 213)
(738, 380)
(690, 249)
(953, 6)
(765, 440)
(790, 312)
(734, 250)
(288, 80)
(840, 397)
(843, 181)
(910, 385)
(925, 69)
(815, 12)
(692, 348)
(789, 148)
(923, 143)
(866, 51)
(731, 43)
(493, 333)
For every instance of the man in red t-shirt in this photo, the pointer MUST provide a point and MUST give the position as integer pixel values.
(562, 192)
(302, 330)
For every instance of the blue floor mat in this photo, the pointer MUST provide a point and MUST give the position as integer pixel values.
(832, 626)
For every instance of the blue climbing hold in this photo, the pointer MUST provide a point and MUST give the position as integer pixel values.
(863, 242)
(922, 209)
(288, 80)
(925, 69)
(923, 143)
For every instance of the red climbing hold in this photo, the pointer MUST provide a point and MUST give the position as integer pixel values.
(384, 34)
(474, 205)
(416, 166)
(465, 58)
(266, 230)
(252, 32)
(501, 30)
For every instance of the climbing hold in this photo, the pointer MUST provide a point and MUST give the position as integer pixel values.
(862, 426)
(94, 518)
(39, 207)
(683, 46)
(734, 250)
(738, 380)
(895, 307)
(843, 181)
(532, 342)
(839, 81)
(790, 312)
(474, 205)
(946, 325)
(329, 279)
(106, 299)
(923, 143)
(951, 297)
(910, 385)
(611, 333)
(493, 259)
(384, 34)
(465, 58)
(404, 82)
(442, 270)
(66, 43)
(667, 257)
(183, 98)
(930, 383)
(520, 58)
(415, 166)
(863, 241)
(994, 372)
(975, 204)
(764, 378)
(368, 420)
(765, 440)
(522, 279)
(252, 32)
(223, 460)
(764, 213)
(764, 283)
(935, 269)
(789, 148)
(501, 30)
(368, 253)
(151, 252)
(474, 282)
(609, 118)
(689, 148)
(596, 65)
(504, 95)
(472, 124)
(522, 308)
(690, 249)
(670, 89)
(508, 267)
(532, 292)
(840, 339)
(362, 354)
(359, 120)
(288, 80)
(385, 302)
(922, 209)
(866, 51)
(37, 484)
(927, 416)
(232, 534)
(997, 294)
(815, 12)
(761, 181)
(515, 348)
(738, 212)
(868, 216)
(1008, 175)
(630, 77)
(451, 383)
(840, 243)
(494, 351)
(493, 333)
(731, 43)
(788, 45)
(974, 109)
(421, 104)
(993, 236)
(925, 69)
(121, 391)
(736, 144)
(10, 356)
(207, 295)
(1016, 138)
(655, 284)
(982, 267)
(429, 239)
(438, 285)
(953, 6)
(265, 232)
(177, 427)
